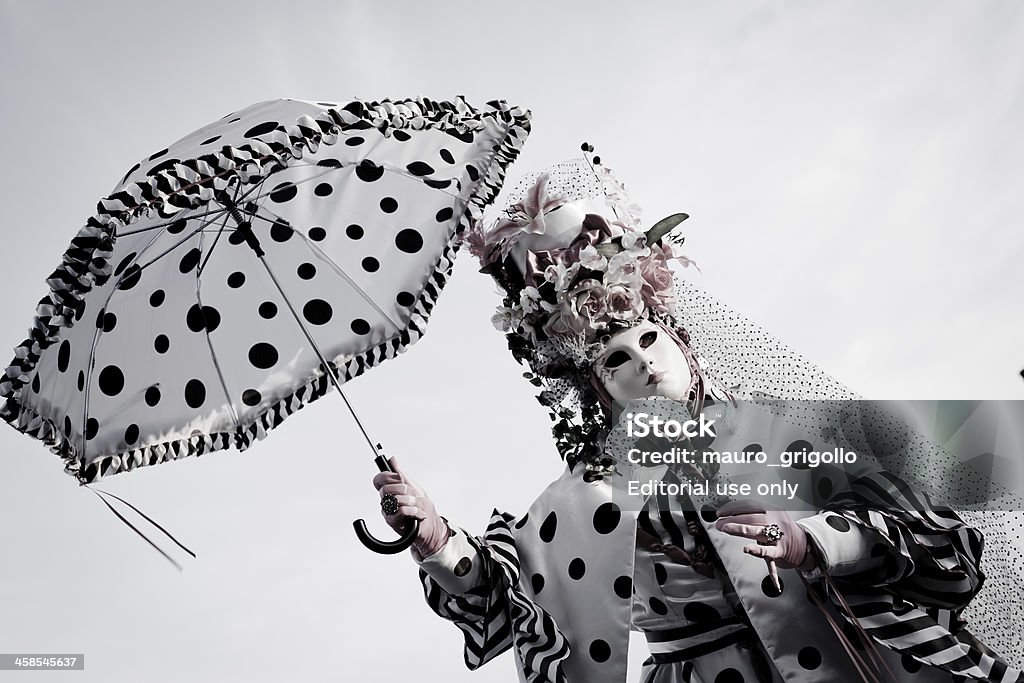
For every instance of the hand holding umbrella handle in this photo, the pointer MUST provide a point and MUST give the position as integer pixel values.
(412, 527)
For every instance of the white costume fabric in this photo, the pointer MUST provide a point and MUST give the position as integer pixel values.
(525, 594)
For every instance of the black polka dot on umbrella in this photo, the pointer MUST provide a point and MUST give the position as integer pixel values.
(111, 380)
(161, 343)
(444, 214)
(700, 612)
(109, 322)
(472, 172)
(81, 380)
(152, 396)
(447, 156)
(157, 298)
(281, 231)
(67, 424)
(370, 264)
(660, 573)
(577, 568)
(190, 260)
(405, 299)
(368, 171)
(99, 318)
(409, 240)
(79, 310)
(92, 428)
(268, 309)
(354, 141)
(623, 586)
(537, 581)
(401, 136)
(360, 326)
(195, 393)
(285, 192)
(208, 141)
(317, 312)
(600, 651)
(729, 675)
(177, 226)
(354, 232)
(261, 129)
(125, 262)
(522, 521)
(838, 523)
(201, 318)
(131, 434)
(236, 279)
(35, 383)
(131, 278)
(606, 518)
(236, 237)
(420, 168)
(251, 397)
(159, 154)
(769, 589)
(317, 234)
(64, 355)
(389, 205)
(323, 190)
(548, 528)
(131, 170)
(263, 355)
(306, 271)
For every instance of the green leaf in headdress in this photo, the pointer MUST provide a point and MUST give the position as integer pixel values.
(665, 226)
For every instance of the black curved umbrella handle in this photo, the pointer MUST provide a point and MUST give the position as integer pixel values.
(412, 527)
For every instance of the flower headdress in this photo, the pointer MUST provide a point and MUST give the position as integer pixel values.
(575, 266)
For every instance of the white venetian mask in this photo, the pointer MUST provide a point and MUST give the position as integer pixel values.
(643, 361)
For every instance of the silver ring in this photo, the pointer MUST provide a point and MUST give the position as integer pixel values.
(772, 533)
(389, 504)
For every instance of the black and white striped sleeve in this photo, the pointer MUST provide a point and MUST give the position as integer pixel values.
(488, 605)
(931, 570)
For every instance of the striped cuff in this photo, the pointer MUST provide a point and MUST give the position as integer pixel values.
(455, 567)
(844, 547)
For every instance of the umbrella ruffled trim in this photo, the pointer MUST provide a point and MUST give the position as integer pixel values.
(192, 183)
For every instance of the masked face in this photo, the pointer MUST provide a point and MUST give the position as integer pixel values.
(643, 361)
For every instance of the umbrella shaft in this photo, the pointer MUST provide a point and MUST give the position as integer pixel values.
(245, 227)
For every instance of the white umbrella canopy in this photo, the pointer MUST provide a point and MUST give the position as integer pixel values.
(195, 309)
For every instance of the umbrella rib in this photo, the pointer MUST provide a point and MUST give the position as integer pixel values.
(95, 344)
(338, 270)
(106, 303)
(316, 349)
(206, 331)
(384, 165)
(165, 224)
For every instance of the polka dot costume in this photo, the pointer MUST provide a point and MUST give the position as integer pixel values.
(172, 324)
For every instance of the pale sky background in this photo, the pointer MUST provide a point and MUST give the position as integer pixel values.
(855, 176)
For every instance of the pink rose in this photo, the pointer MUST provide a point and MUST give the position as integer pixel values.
(580, 311)
(657, 287)
(625, 301)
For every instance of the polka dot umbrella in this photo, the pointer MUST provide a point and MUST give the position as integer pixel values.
(235, 276)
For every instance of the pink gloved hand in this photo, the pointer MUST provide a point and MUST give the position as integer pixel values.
(748, 519)
(413, 503)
